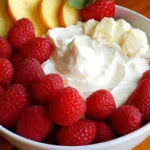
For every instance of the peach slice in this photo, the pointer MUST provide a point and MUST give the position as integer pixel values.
(18, 9)
(5, 22)
(67, 15)
(47, 10)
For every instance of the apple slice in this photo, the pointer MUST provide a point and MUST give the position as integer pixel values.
(47, 10)
(67, 15)
(5, 22)
(18, 9)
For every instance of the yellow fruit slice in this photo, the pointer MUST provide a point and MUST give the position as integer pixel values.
(47, 10)
(5, 22)
(67, 15)
(18, 9)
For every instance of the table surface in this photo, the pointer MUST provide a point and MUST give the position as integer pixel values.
(141, 6)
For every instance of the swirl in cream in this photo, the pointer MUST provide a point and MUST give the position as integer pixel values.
(89, 58)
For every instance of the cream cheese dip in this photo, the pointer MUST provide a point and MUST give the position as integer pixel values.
(89, 58)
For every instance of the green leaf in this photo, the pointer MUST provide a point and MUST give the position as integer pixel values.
(78, 4)
(89, 2)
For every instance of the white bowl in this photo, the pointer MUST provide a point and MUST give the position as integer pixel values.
(123, 143)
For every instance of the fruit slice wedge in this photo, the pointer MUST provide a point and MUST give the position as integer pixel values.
(5, 22)
(67, 15)
(47, 10)
(18, 9)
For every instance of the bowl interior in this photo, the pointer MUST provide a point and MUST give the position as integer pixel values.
(137, 21)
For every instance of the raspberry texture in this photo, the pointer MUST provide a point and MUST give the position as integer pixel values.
(80, 133)
(2, 90)
(98, 10)
(12, 105)
(100, 105)
(38, 48)
(29, 72)
(141, 98)
(103, 132)
(6, 71)
(35, 124)
(20, 33)
(5, 48)
(16, 59)
(146, 75)
(67, 107)
(43, 90)
(126, 119)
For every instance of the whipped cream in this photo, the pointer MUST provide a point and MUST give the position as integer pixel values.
(90, 57)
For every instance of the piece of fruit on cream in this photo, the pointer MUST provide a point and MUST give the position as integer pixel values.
(90, 63)
(132, 41)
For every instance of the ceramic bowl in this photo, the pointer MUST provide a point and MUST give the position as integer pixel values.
(126, 142)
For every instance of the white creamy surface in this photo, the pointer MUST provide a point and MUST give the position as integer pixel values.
(89, 58)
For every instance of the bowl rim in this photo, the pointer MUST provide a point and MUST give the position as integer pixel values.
(122, 139)
(132, 11)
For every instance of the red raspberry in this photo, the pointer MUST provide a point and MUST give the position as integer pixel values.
(126, 119)
(43, 90)
(29, 72)
(21, 32)
(100, 105)
(146, 75)
(98, 10)
(80, 133)
(16, 59)
(5, 48)
(141, 98)
(35, 124)
(6, 71)
(2, 90)
(103, 132)
(38, 48)
(12, 104)
(67, 107)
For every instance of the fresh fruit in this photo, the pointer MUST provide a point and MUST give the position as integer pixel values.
(6, 71)
(43, 90)
(67, 15)
(16, 59)
(21, 32)
(47, 10)
(29, 72)
(103, 132)
(98, 10)
(35, 124)
(100, 105)
(25, 9)
(38, 48)
(5, 48)
(126, 119)
(12, 104)
(2, 90)
(141, 98)
(146, 75)
(51, 139)
(80, 133)
(67, 107)
(5, 22)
